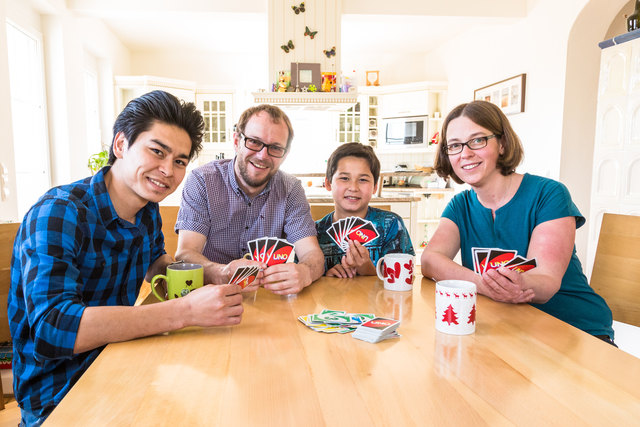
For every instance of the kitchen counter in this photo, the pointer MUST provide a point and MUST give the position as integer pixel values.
(383, 199)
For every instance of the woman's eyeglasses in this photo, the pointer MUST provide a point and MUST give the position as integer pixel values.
(473, 144)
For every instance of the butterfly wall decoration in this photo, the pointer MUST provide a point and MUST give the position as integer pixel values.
(288, 46)
(330, 53)
(298, 9)
(308, 32)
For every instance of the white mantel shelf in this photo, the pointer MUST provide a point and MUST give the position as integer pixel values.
(308, 100)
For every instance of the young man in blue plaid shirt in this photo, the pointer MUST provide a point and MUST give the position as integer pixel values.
(84, 248)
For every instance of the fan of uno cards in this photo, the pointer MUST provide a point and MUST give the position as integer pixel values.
(244, 275)
(485, 259)
(271, 250)
(352, 228)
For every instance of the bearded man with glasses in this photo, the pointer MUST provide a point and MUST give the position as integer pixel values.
(227, 203)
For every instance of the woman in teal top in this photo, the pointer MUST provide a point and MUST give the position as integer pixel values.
(504, 209)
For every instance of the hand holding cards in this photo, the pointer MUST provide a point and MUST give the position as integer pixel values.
(352, 228)
(271, 250)
(485, 259)
(244, 275)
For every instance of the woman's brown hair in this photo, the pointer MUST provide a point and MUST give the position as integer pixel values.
(490, 117)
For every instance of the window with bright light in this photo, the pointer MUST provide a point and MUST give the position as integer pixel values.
(30, 144)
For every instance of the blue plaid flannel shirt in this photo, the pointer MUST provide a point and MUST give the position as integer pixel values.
(72, 251)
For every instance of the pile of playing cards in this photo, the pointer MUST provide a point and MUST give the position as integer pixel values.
(332, 321)
(271, 250)
(352, 228)
(244, 275)
(485, 259)
(376, 330)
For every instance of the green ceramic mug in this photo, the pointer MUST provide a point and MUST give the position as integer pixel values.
(181, 279)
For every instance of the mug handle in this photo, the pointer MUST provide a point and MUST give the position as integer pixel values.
(153, 288)
(380, 274)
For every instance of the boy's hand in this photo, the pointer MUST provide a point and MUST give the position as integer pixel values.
(341, 272)
(358, 258)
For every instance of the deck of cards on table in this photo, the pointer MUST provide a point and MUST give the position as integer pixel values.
(332, 321)
(352, 228)
(271, 250)
(485, 259)
(378, 329)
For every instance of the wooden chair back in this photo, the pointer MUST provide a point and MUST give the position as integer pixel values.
(7, 235)
(169, 216)
(616, 268)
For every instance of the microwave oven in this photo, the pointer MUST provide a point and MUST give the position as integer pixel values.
(405, 132)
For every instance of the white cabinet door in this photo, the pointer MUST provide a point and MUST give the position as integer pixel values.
(402, 104)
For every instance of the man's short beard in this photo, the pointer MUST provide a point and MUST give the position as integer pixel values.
(242, 166)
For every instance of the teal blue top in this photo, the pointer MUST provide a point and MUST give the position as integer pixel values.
(537, 200)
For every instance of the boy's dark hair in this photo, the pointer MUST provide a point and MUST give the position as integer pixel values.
(274, 112)
(354, 149)
(490, 117)
(158, 106)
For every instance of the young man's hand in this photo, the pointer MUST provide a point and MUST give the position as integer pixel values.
(358, 258)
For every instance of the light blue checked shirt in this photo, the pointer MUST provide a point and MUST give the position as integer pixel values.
(214, 205)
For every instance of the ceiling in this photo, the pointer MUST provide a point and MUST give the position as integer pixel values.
(241, 27)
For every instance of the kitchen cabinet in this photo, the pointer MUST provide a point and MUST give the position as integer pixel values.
(404, 100)
(216, 111)
(349, 125)
(404, 104)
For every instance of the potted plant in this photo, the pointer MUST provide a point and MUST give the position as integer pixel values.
(97, 161)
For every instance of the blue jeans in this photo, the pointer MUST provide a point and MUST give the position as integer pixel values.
(31, 420)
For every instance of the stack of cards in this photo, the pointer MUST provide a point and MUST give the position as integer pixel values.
(485, 259)
(244, 275)
(332, 321)
(378, 329)
(271, 250)
(352, 228)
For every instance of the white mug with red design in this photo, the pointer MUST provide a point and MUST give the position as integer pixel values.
(396, 271)
(456, 307)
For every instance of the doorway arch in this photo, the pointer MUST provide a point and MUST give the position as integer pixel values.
(580, 102)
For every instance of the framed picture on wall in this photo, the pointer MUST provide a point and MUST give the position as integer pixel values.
(304, 75)
(508, 94)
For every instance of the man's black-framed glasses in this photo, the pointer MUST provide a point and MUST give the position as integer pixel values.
(474, 144)
(257, 145)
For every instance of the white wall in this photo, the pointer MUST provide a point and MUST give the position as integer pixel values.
(8, 201)
(535, 45)
(243, 70)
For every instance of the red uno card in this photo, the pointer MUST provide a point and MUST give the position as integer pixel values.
(253, 249)
(282, 251)
(516, 260)
(524, 266)
(479, 257)
(380, 324)
(497, 258)
(365, 233)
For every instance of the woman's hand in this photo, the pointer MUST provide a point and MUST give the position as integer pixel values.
(506, 285)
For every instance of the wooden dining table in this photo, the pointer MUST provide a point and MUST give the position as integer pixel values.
(520, 367)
